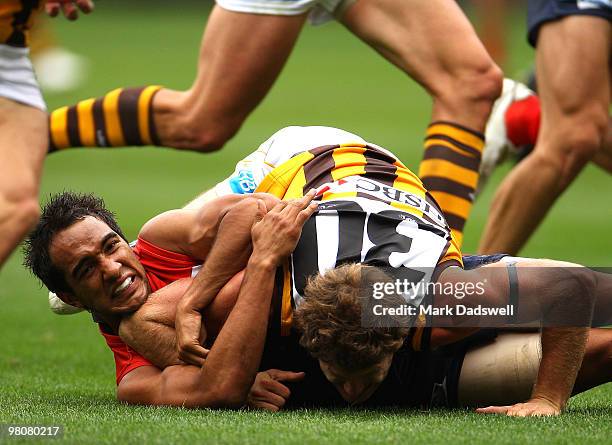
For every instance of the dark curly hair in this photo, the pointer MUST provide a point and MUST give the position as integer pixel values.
(330, 319)
(60, 212)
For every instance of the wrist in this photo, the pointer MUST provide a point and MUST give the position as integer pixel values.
(263, 262)
(186, 305)
(556, 401)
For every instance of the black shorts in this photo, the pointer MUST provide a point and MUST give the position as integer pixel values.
(540, 12)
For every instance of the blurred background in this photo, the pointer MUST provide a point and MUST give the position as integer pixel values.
(331, 79)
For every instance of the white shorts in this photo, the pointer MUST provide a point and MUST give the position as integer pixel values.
(17, 79)
(321, 11)
(277, 149)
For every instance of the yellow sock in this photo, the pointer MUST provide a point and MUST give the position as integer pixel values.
(449, 170)
(121, 118)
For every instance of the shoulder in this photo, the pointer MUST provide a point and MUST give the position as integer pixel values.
(168, 230)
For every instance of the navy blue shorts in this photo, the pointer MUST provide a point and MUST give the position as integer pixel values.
(473, 261)
(540, 12)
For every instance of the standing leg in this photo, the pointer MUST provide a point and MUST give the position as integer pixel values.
(573, 77)
(23, 141)
(240, 58)
(434, 43)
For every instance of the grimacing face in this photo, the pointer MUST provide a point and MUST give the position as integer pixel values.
(99, 267)
(357, 386)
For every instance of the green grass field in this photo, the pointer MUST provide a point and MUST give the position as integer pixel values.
(59, 371)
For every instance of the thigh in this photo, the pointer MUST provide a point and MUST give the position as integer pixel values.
(572, 61)
(431, 40)
(501, 372)
(240, 58)
(23, 145)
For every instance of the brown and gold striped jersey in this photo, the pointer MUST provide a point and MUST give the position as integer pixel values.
(16, 17)
(373, 210)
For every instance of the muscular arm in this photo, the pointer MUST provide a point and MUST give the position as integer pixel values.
(231, 365)
(150, 330)
(226, 221)
(556, 294)
(229, 370)
(192, 231)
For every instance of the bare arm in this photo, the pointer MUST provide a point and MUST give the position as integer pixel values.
(218, 232)
(150, 330)
(555, 294)
(228, 256)
(192, 231)
(232, 363)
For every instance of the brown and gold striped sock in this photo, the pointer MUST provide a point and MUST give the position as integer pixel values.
(449, 170)
(123, 117)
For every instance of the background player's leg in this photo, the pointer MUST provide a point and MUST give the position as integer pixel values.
(434, 43)
(603, 158)
(240, 58)
(573, 79)
(23, 141)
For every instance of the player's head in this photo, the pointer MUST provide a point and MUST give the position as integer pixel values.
(79, 252)
(354, 357)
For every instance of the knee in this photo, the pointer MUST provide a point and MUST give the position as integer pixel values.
(572, 145)
(474, 88)
(29, 211)
(21, 206)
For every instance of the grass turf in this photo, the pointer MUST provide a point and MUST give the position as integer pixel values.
(58, 370)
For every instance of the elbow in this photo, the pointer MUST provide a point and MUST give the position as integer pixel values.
(584, 283)
(575, 297)
(228, 397)
(219, 398)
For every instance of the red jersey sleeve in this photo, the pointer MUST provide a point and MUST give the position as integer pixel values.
(163, 266)
(126, 359)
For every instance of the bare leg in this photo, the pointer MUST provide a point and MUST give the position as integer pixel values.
(439, 50)
(596, 366)
(504, 371)
(434, 43)
(240, 58)
(603, 158)
(23, 144)
(573, 76)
